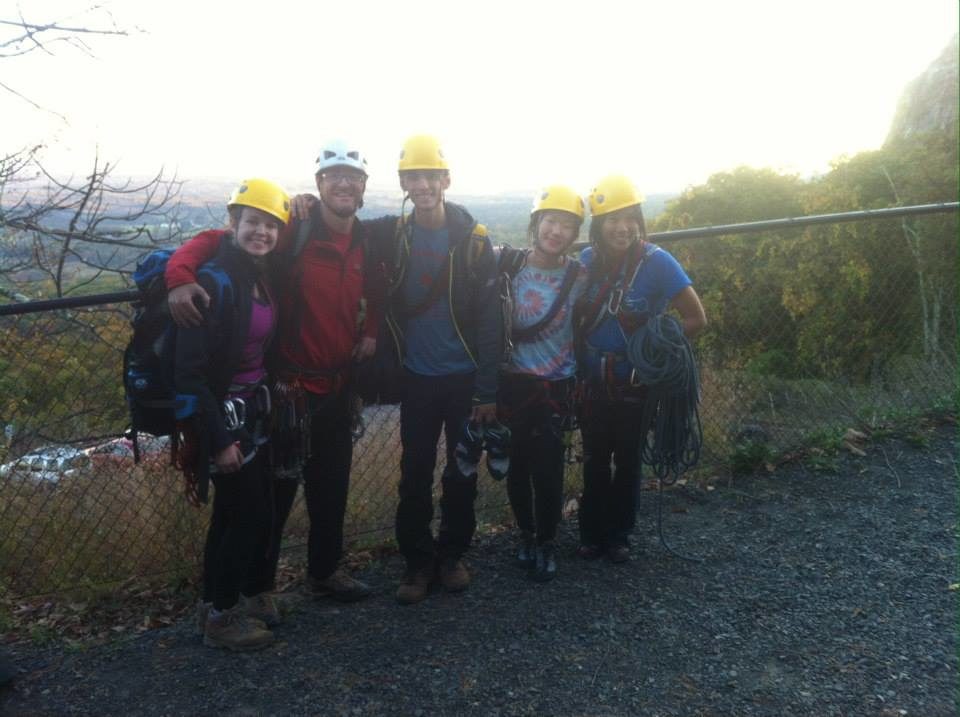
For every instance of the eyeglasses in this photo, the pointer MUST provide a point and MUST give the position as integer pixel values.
(353, 178)
(428, 175)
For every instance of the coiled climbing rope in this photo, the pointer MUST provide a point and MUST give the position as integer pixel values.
(663, 361)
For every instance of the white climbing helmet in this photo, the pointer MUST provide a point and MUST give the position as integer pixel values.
(340, 153)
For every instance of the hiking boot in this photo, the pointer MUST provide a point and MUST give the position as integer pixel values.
(545, 565)
(453, 575)
(261, 607)
(203, 609)
(338, 585)
(234, 630)
(414, 586)
(588, 551)
(618, 553)
(526, 550)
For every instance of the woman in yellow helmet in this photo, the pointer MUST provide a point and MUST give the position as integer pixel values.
(536, 387)
(629, 281)
(220, 379)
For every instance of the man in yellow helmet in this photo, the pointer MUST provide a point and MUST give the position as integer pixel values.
(444, 311)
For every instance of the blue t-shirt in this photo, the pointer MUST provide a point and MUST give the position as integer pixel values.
(659, 280)
(433, 346)
(550, 355)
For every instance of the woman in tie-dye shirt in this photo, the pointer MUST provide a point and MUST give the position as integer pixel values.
(536, 385)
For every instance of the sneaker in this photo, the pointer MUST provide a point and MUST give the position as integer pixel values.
(589, 551)
(234, 630)
(414, 586)
(262, 607)
(338, 585)
(545, 565)
(497, 443)
(618, 553)
(454, 575)
(203, 609)
(527, 550)
(469, 449)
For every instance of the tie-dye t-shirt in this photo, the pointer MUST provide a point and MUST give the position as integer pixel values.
(550, 355)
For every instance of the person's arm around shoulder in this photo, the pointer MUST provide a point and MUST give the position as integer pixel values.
(377, 267)
(185, 295)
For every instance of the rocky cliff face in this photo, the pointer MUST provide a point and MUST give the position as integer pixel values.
(929, 101)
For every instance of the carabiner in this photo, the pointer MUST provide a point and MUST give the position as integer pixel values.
(613, 307)
(234, 413)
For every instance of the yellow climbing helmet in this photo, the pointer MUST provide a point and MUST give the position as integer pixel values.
(264, 195)
(612, 193)
(422, 151)
(560, 198)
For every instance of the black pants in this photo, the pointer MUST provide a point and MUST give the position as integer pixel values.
(610, 429)
(326, 482)
(431, 404)
(238, 535)
(534, 413)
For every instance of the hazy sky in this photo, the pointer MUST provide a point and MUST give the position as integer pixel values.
(521, 93)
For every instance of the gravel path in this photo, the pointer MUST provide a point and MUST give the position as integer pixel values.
(820, 594)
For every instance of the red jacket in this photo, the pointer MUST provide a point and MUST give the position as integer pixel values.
(319, 296)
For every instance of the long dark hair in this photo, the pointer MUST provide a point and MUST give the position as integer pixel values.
(603, 262)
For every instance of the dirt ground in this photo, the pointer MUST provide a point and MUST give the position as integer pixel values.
(819, 593)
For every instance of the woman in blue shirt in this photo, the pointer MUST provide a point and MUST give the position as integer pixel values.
(629, 281)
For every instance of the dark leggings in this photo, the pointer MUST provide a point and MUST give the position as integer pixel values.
(535, 479)
(238, 534)
(610, 429)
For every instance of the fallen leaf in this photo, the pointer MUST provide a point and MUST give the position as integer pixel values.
(853, 449)
(854, 435)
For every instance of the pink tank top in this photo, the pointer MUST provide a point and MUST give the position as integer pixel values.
(250, 370)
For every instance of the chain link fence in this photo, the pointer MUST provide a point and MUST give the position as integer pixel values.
(76, 510)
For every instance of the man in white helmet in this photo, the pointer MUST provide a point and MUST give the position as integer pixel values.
(322, 281)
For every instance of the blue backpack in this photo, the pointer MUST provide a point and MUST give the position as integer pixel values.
(155, 407)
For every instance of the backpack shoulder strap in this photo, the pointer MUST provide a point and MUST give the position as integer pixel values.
(302, 237)
(478, 240)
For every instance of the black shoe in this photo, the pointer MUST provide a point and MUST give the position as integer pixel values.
(618, 553)
(545, 565)
(526, 550)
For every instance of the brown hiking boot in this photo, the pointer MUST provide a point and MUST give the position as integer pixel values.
(414, 586)
(453, 575)
(261, 607)
(234, 630)
(338, 585)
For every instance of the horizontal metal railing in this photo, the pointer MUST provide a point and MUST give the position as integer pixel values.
(73, 302)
